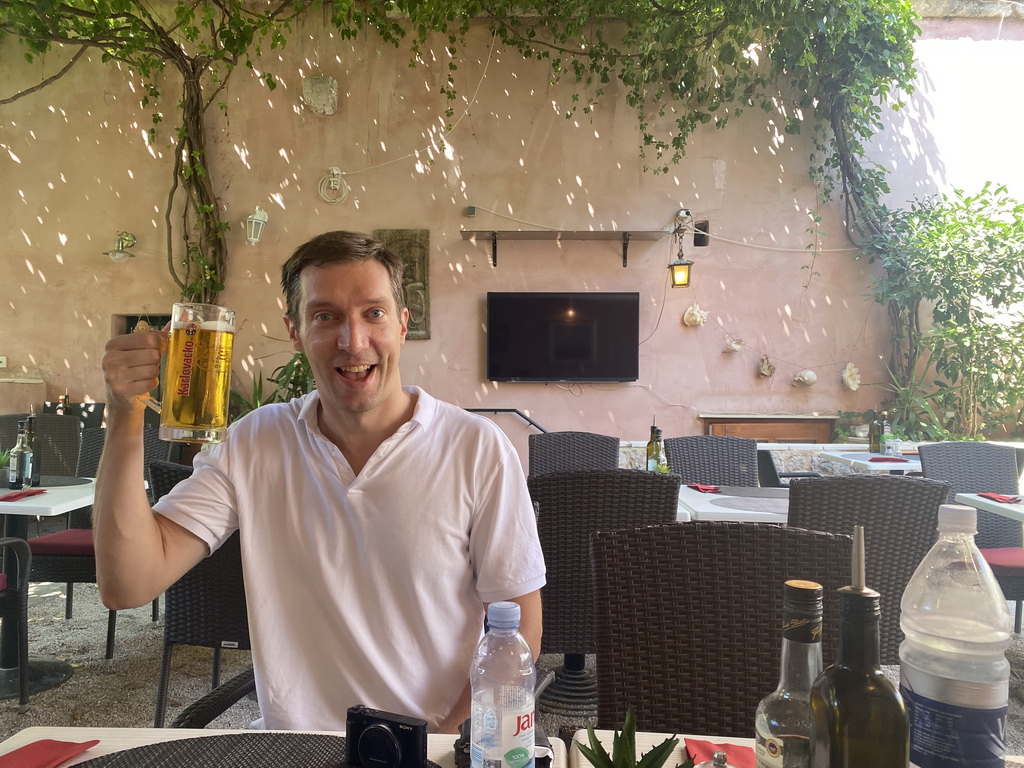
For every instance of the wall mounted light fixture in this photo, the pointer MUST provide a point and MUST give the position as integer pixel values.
(119, 255)
(680, 265)
(254, 225)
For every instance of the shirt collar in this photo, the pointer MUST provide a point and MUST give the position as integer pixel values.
(423, 414)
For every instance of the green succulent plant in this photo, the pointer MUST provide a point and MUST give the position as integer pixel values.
(624, 749)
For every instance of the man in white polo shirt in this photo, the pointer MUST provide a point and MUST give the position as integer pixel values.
(376, 521)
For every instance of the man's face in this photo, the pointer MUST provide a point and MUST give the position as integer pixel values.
(352, 333)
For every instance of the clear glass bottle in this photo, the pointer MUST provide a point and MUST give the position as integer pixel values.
(857, 715)
(782, 722)
(502, 680)
(954, 675)
(19, 472)
(656, 459)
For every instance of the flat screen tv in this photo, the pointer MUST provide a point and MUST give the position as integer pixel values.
(563, 336)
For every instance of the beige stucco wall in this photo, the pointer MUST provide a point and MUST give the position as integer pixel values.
(75, 170)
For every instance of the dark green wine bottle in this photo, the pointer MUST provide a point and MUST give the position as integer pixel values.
(858, 719)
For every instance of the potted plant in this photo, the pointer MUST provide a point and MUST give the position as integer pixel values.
(624, 749)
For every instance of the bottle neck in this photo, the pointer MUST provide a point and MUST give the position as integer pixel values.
(801, 664)
(858, 630)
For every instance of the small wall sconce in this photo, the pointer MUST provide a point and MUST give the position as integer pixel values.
(254, 225)
(680, 270)
(119, 255)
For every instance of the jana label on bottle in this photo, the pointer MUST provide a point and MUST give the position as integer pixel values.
(949, 736)
(508, 745)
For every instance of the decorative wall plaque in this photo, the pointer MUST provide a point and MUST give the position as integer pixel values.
(413, 247)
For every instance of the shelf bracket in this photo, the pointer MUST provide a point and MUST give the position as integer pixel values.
(494, 249)
(625, 248)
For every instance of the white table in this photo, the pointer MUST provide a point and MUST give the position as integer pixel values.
(748, 505)
(43, 673)
(644, 743)
(859, 460)
(1012, 511)
(439, 745)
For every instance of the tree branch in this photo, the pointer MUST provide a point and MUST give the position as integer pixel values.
(53, 78)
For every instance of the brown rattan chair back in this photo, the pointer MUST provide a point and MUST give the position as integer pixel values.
(689, 619)
(971, 467)
(205, 607)
(713, 459)
(57, 440)
(568, 451)
(900, 517)
(572, 505)
(90, 451)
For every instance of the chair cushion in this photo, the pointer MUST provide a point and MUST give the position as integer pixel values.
(1007, 560)
(73, 541)
(3, 581)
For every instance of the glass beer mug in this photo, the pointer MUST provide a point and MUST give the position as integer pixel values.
(198, 374)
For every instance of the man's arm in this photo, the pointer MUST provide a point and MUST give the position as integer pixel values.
(138, 553)
(531, 627)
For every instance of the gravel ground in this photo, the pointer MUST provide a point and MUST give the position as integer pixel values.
(122, 692)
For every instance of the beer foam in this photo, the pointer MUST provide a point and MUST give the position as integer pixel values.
(209, 325)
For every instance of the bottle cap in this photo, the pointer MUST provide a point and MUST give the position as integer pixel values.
(655, 433)
(957, 518)
(503, 615)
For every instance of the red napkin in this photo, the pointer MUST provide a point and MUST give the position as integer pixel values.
(1001, 498)
(704, 488)
(45, 753)
(886, 458)
(19, 495)
(738, 756)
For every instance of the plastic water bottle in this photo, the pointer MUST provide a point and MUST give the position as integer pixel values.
(502, 680)
(954, 676)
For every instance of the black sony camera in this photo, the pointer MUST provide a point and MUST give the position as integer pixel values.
(376, 739)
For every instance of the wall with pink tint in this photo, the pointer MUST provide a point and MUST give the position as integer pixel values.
(76, 170)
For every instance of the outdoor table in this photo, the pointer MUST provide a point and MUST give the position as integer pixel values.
(734, 503)
(860, 460)
(440, 746)
(1012, 511)
(63, 494)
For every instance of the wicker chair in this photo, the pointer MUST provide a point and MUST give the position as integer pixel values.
(205, 607)
(69, 556)
(57, 440)
(899, 515)
(570, 506)
(14, 606)
(568, 451)
(689, 616)
(972, 467)
(713, 459)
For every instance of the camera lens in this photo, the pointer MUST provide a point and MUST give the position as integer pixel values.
(378, 747)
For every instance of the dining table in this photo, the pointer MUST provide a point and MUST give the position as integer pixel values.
(1012, 510)
(62, 495)
(734, 503)
(646, 741)
(147, 741)
(866, 461)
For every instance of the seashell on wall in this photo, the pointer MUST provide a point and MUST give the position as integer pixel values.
(805, 378)
(850, 377)
(733, 346)
(695, 315)
(765, 368)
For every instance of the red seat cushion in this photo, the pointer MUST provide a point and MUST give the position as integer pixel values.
(1005, 560)
(3, 581)
(73, 541)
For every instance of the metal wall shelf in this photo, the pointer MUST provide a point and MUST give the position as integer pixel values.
(624, 236)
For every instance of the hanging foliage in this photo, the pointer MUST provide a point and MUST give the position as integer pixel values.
(810, 65)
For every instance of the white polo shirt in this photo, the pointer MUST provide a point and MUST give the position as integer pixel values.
(365, 589)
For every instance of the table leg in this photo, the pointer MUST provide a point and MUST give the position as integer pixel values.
(43, 674)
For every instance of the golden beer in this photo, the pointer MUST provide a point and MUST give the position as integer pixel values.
(198, 375)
